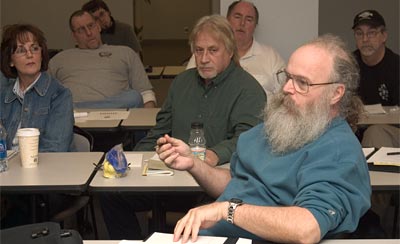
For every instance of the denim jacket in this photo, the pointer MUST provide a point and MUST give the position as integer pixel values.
(46, 106)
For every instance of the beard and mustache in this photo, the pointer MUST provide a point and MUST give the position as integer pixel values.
(289, 127)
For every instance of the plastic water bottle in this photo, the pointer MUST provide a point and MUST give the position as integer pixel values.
(197, 141)
(3, 149)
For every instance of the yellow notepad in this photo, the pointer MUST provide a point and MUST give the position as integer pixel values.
(381, 157)
(155, 166)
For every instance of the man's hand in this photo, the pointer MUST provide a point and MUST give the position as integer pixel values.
(202, 217)
(150, 104)
(175, 153)
(211, 158)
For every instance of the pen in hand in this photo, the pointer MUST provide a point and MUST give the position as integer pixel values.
(393, 153)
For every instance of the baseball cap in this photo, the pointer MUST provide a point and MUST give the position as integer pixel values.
(368, 17)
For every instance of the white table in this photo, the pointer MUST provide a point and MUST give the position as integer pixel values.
(56, 172)
(181, 181)
(344, 241)
(140, 119)
(392, 116)
(135, 183)
(155, 73)
(384, 181)
(102, 124)
(172, 71)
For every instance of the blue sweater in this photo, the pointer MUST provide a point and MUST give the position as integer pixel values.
(329, 177)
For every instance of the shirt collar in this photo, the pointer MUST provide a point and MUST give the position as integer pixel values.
(253, 50)
(17, 89)
(221, 76)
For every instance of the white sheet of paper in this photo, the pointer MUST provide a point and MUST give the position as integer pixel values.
(130, 242)
(381, 158)
(164, 238)
(11, 154)
(374, 109)
(367, 151)
(135, 159)
(80, 114)
(108, 115)
(244, 241)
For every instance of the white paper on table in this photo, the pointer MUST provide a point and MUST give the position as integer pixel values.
(374, 109)
(80, 114)
(367, 151)
(11, 154)
(381, 158)
(108, 115)
(130, 242)
(157, 238)
(244, 241)
(154, 166)
(135, 159)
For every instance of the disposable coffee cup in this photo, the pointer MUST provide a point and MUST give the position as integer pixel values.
(28, 139)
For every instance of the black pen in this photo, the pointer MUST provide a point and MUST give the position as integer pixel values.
(393, 153)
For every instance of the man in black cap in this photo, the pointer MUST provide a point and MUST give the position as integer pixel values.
(379, 83)
(379, 70)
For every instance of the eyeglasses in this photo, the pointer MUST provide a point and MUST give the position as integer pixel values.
(21, 50)
(300, 84)
(370, 34)
(83, 29)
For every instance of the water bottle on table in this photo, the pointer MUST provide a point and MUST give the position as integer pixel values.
(3, 149)
(197, 141)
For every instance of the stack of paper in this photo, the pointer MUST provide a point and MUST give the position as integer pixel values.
(154, 166)
(386, 156)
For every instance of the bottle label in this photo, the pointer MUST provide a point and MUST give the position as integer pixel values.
(3, 149)
(199, 152)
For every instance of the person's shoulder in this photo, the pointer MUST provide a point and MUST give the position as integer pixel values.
(122, 24)
(264, 48)
(66, 53)
(392, 54)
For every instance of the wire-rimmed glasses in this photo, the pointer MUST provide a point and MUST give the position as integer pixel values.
(300, 84)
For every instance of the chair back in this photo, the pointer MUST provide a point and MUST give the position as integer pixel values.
(83, 141)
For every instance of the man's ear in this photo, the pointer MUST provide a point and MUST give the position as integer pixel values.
(338, 93)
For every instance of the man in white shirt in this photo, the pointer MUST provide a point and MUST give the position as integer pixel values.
(261, 61)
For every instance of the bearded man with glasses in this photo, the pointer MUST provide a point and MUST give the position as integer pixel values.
(296, 178)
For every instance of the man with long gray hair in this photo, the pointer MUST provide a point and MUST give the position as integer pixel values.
(299, 176)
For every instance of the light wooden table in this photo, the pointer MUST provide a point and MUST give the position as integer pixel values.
(392, 116)
(172, 71)
(101, 124)
(56, 172)
(140, 119)
(155, 73)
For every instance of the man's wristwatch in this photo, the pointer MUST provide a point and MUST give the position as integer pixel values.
(233, 204)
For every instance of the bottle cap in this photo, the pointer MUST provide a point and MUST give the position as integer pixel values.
(197, 125)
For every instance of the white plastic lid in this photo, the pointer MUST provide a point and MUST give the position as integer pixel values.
(28, 132)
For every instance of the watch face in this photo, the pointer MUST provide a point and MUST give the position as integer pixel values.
(236, 200)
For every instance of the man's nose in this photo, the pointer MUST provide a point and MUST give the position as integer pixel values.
(288, 87)
(205, 57)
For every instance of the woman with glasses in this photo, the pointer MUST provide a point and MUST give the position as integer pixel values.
(30, 97)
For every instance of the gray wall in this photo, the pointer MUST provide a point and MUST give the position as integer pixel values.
(337, 17)
(162, 19)
(284, 24)
(52, 16)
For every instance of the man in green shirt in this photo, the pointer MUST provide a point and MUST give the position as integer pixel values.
(218, 93)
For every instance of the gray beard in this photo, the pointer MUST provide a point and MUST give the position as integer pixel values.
(289, 128)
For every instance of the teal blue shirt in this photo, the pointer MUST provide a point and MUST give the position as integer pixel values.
(329, 177)
(230, 105)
